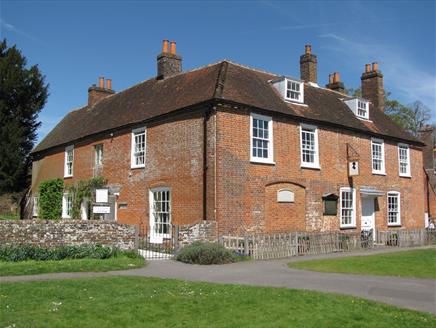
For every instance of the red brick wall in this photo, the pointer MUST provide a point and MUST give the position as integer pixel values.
(244, 201)
(174, 159)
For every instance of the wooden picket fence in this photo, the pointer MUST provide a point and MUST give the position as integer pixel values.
(406, 238)
(281, 245)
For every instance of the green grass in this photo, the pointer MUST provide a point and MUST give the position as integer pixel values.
(152, 302)
(416, 263)
(78, 265)
(9, 216)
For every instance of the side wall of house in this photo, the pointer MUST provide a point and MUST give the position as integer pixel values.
(247, 192)
(174, 159)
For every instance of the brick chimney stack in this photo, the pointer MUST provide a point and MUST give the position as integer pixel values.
(97, 93)
(372, 86)
(168, 63)
(335, 83)
(308, 63)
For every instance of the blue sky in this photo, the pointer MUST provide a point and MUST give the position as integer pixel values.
(75, 42)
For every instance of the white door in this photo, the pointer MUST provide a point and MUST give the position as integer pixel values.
(368, 217)
(160, 213)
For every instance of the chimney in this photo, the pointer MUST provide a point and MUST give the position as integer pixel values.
(335, 83)
(308, 62)
(95, 94)
(168, 63)
(372, 86)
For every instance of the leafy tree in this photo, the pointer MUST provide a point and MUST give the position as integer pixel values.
(23, 94)
(50, 199)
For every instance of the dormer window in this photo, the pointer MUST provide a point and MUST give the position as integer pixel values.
(360, 107)
(291, 90)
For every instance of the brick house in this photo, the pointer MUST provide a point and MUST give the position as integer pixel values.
(428, 136)
(252, 150)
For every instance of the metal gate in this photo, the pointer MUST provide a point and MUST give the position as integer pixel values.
(154, 246)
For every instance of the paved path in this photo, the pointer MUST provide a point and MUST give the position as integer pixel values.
(418, 294)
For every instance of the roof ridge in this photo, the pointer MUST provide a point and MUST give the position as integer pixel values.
(221, 79)
(251, 68)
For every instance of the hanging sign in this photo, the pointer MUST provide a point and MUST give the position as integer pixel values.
(353, 168)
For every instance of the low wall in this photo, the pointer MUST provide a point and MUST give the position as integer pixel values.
(204, 230)
(68, 232)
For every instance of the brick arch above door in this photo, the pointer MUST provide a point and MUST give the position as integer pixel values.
(284, 214)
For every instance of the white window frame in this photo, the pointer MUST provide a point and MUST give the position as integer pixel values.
(398, 195)
(98, 155)
(407, 162)
(352, 224)
(301, 91)
(68, 174)
(65, 197)
(35, 207)
(152, 220)
(315, 164)
(270, 158)
(365, 109)
(382, 170)
(135, 132)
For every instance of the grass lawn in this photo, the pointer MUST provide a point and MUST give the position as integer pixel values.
(417, 263)
(152, 302)
(79, 265)
(9, 216)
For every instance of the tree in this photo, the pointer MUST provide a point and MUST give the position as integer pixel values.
(412, 117)
(23, 94)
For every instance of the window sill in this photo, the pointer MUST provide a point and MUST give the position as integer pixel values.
(308, 166)
(347, 227)
(137, 167)
(296, 102)
(68, 176)
(405, 176)
(259, 161)
(378, 173)
(394, 225)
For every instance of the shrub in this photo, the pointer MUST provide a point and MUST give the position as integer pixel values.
(50, 199)
(31, 252)
(201, 252)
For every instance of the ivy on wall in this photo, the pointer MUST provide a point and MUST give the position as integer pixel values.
(84, 189)
(50, 199)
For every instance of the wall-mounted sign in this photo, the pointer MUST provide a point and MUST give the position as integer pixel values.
(353, 168)
(285, 196)
(101, 195)
(101, 209)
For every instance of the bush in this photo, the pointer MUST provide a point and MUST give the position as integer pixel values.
(201, 252)
(31, 252)
(50, 199)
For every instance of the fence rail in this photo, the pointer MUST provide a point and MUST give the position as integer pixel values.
(406, 238)
(296, 243)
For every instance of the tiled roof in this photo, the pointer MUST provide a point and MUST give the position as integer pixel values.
(224, 80)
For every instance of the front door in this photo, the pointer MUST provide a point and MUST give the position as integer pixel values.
(160, 213)
(368, 217)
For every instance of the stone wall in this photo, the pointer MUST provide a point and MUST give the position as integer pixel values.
(68, 232)
(204, 230)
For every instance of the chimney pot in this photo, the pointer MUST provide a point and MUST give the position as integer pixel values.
(336, 77)
(372, 86)
(173, 47)
(109, 84)
(367, 68)
(330, 78)
(308, 48)
(165, 46)
(374, 66)
(101, 82)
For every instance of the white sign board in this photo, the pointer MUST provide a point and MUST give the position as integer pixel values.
(285, 196)
(101, 209)
(101, 195)
(353, 168)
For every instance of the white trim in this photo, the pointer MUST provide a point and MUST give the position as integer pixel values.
(407, 174)
(133, 165)
(301, 84)
(64, 206)
(270, 159)
(353, 216)
(66, 174)
(151, 217)
(380, 142)
(315, 164)
(35, 206)
(398, 194)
